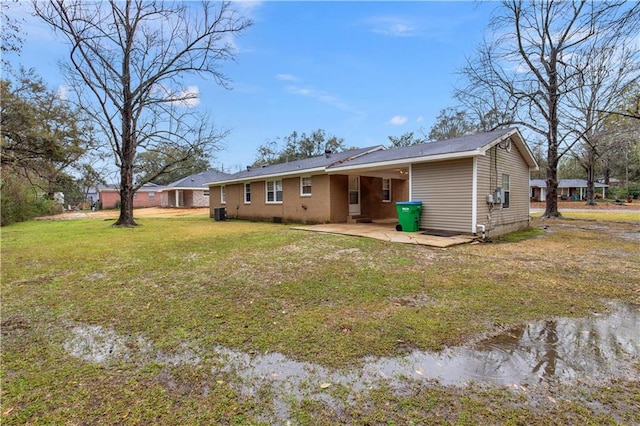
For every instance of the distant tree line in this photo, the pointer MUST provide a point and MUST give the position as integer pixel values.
(297, 146)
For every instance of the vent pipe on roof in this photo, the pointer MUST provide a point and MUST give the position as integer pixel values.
(248, 168)
(327, 153)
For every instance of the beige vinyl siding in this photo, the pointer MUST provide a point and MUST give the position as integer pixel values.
(445, 189)
(496, 162)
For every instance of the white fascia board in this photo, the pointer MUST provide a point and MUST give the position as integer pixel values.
(406, 161)
(267, 177)
(185, 188)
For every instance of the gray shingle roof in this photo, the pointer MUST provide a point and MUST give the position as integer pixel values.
(377, 156)
(566, 183)
(450, 146)
(198, 180)
(319, 162)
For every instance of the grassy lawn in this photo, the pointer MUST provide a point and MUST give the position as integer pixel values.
(184, 286)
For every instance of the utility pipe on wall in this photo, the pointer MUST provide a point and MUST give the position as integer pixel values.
(483, 229)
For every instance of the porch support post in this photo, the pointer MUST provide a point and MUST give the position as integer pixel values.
(410, 182)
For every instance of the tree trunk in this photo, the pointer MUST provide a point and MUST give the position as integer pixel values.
(128, 139)
(607, 178)
(591, 199)
(126, 198)
(551, 208)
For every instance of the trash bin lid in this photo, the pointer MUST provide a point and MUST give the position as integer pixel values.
(408, 203)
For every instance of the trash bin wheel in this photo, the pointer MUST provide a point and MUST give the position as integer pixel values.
(399, 228)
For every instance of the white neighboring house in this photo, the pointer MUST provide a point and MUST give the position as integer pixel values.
(568, 189)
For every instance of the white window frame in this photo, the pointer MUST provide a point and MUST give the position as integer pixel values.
(506, 188)
(388, 189)
(247, 185)
(275, 184)
(152, 196)
(303, 186)
(223, 194)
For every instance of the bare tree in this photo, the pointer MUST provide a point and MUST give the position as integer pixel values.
(126, 64)
(606, 75)
(11, 38)
(527, 69)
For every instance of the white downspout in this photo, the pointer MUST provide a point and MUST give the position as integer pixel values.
(474, 196)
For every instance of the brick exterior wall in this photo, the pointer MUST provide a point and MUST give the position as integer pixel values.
(327, 203)
(110, 199)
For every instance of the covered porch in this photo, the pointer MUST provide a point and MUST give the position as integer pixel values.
(372, 194)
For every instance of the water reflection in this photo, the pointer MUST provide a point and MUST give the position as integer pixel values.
(562, 350)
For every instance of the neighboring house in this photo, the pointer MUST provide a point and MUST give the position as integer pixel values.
(91, 195)
(147, 196)
(190, 191)
(568, 189)
(466, 185)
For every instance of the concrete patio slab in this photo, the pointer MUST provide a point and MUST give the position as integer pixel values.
(387, 232)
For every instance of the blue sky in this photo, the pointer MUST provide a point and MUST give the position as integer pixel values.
(359, 70)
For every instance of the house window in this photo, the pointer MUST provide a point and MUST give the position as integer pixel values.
(247, 193)
(152, 195)
(274, 191)
(305, 186)
(223, 194)
(386, 190)
(506, 187)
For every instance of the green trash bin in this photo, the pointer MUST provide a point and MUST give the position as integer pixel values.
(408, 215)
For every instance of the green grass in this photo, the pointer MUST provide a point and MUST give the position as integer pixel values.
(191, 282)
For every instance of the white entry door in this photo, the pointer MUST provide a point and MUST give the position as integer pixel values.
(354, 195)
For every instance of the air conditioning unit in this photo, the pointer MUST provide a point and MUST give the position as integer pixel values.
(220, 213)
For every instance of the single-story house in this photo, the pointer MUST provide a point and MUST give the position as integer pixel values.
(467, 185)
(568, 189)
(190, 191)
(147, 196)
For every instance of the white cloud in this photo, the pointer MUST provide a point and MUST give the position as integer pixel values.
(286, 77)
(398, 120)
(420, 119)
(246, 6)
(187, 97)
(63, 92)
(393, 26)
(319, 95)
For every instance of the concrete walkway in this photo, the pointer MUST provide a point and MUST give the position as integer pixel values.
(387, 232)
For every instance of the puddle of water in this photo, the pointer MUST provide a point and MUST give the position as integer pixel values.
(562, 350)
(99, 345)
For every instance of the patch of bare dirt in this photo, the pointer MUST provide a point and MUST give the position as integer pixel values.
(601, 205)
(137, 213)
